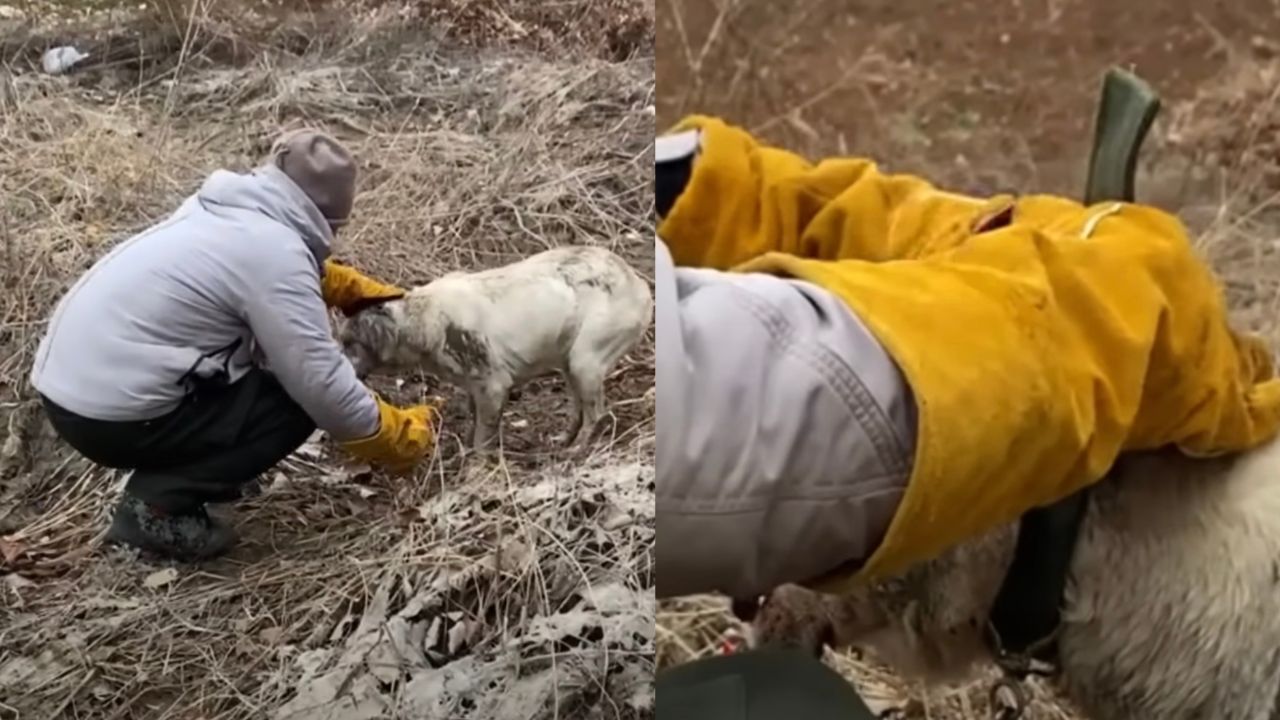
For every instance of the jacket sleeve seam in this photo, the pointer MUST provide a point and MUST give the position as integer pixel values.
(716, 507)
(833, 372)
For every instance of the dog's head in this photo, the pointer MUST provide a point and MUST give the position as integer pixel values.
(370, 336)
(788, 617)
(928, 623)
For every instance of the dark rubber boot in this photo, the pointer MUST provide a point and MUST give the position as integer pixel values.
(765, 684)
(187, 536)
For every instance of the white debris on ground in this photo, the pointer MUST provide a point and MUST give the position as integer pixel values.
(59, 60)
(434, 642)
(414, 657)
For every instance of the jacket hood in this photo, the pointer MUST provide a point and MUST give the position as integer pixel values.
(267, 190)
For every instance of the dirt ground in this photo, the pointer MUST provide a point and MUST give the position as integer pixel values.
(486, 132)
(995, 96)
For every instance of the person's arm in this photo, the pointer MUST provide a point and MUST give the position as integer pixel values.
(739, 198)
(286, 312)
(287, 316)
(785, 432)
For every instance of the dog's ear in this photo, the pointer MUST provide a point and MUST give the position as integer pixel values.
(376, 325)
(377, 304)
(360, 320)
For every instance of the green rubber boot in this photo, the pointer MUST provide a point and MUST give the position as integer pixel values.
(186, 536)
(771, 684)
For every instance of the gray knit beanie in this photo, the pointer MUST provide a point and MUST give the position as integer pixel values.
(323, 168)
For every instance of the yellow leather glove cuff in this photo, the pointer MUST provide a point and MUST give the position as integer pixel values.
(348, 290)
(745, 199)
(1037, 355)
(403, 438)
(1041, 338)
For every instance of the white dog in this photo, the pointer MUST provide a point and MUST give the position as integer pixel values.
(575, 310)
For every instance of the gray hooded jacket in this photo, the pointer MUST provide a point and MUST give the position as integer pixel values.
(230, 280)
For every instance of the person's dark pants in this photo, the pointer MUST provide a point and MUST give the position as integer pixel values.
(757, 685)
(217, 441)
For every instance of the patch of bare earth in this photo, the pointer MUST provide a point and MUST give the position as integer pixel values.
(519, 589)
(987, 97)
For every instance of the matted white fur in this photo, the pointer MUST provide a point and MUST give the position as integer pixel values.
(575, 310)
(1172, 612)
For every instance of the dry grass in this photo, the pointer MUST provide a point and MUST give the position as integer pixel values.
(521, 589)
(985, 99)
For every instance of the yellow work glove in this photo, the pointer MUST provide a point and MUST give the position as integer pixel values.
(404, 437)
(1040, 342)
(345, 288)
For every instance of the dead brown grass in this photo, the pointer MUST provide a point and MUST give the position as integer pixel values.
(516, 590)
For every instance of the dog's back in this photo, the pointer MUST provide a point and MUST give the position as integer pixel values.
(532, 313)
(1174, 607)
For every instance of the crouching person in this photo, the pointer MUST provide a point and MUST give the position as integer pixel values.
(198, 353)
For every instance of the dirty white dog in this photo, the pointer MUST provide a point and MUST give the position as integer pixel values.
(1172, 608)
(575, 310)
